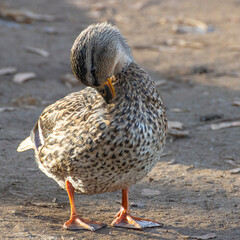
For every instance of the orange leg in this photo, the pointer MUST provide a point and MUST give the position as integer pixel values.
(124, 219)
(75, 222)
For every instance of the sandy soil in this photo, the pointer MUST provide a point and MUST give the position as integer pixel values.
(192, 191)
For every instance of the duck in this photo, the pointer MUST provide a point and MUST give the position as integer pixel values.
(109, 135)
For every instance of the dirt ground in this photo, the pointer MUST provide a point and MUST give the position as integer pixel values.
(192, 191)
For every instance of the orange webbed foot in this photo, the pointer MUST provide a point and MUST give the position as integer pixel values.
(77, 223)
(125, 220)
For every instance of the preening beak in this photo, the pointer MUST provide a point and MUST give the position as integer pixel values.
(107, 91)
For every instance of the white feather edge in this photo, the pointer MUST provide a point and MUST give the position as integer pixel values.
(40, 133)
(25, 145)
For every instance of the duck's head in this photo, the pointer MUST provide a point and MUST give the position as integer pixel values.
(99, 53)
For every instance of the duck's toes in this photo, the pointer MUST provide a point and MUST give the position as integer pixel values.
(77, 223)
(127, 221)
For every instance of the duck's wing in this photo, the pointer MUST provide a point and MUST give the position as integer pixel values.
(60, 111)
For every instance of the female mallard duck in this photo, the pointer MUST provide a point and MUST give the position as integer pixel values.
(107, 136)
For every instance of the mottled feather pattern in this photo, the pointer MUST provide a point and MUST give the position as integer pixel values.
(103, 147)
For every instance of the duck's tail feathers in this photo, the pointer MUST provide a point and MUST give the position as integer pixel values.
(25, 145)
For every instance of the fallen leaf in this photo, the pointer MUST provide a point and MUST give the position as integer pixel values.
(179, 110)
(150, 192)
(235, 170)
(201, 69)
(121, 19)
(236, 103)
(222, 125)
(173, 161)
(70, 80)
(160, 83)
(192, 22)
(7, 109)
(23, 15)
(187, 25)
(182, 43)
(95, 14)
(234, 47)
(38, 51)
(44, 204)
(138, 6)
(23, 77)
(230, 161)
(137, 204)
(178, 133)
(190, 25)
(189, 29)
(7, 70)
(205, 237)
(175, 125)
(210, 117)
(50, 30)
(99, 6)
(26, 100)
(154, 48)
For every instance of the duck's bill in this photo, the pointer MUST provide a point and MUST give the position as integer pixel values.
(108, 91)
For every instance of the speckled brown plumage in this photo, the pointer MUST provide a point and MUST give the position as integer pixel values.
(103, 147)
(107, 136)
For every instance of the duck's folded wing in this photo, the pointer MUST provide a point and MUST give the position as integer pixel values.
(61, 112)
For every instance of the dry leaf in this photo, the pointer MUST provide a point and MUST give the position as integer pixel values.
(205, 237)
(234, 47)
(138, 6)
(95, 14)
(38, 51)
(23, 15)
(26, 100)
(7, 109)
(172, 161)
(175, 125)
(182, 43)
(235, 170)
(210, 117)
(7, 70)
(121, 19)
(154, 48)
(231, 162)
(150, 192)
(23, 77)
(99, 6)
(178, 133)
(69, 80)
(187, 29)
(179, 110)
(193, 22)
(222, 125)
(160, 83)
(50, 30)
(236, 103)
(187, 25)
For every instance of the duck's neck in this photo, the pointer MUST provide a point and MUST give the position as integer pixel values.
(122, 61)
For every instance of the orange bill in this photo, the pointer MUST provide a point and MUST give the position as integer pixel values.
(108, 83)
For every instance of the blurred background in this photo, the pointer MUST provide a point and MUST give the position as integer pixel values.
(191, 49)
